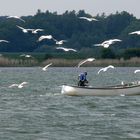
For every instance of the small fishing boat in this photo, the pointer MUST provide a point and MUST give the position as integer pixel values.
(128, 89)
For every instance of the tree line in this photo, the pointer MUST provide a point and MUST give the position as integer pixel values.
(80, 34)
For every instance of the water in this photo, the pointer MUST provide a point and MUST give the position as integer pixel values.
(39, 111)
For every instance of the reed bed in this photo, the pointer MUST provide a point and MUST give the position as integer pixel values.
(97, 63)
(61, 62)
(6, 62)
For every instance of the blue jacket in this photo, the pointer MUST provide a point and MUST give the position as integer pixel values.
(82, 77)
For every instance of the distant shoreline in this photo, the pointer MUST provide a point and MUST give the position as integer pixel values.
(133, 62)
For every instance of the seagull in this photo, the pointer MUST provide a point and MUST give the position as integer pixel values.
(16, 17)
(66, 49)
(136, 71)
(88, 19)
(45, 37)
(136, 32)
(60, 42)
(35, 31)
(24, 30)
(45, 68)
(26, 55)
(106, 68)
(107, 43)
(4, 41)
(86, 60)
(21, 85)
(18, 85)
(13, 85)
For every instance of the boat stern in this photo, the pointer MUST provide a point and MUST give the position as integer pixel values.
(67, 90)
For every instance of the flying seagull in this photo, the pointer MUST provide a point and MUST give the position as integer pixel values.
(136, 32)
(66, 49)
(88, 19)
(4, 41)
(136, 71)
(60, 42)
(13, 85)
(24, 30)
(18, 85)
(22, 84)
(106, 68)
(84, 61)
(45, 68)
(16, 17)
(35, 31)
(26, 55)
(107, 43)
(45, 37)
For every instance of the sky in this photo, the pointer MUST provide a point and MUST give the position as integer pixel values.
(93, 7)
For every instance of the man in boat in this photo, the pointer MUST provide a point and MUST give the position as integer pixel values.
(82, 79)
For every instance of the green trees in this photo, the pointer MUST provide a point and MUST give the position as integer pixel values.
(107, 53)
(131, 52)
(79, 33)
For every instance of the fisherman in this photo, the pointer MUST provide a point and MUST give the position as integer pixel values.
(82, 79)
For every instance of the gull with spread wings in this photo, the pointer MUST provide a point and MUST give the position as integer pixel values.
(136, 71)
(136, 32)
(45, 37)
(107, 43)
(106, 68)
(24, 30)
(88, 19)
(16, 17)
(66, 49)
(60, 42)
(84, 61)
(21, 85)
(4, 41)
(45, 68)
(35, 31)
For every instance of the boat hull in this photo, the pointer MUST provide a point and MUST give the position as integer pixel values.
(105, 91)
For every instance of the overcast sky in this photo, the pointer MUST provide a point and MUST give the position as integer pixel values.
(93, 7)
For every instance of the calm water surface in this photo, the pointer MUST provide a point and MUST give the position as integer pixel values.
(39, 111)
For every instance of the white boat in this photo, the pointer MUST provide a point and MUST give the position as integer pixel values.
(121, 90)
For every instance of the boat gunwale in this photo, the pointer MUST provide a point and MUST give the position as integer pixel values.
(107, 87)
